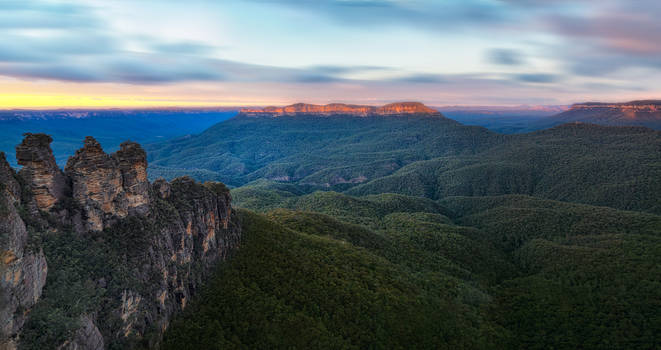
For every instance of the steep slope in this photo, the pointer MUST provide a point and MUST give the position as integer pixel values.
(634, 113)
(96, 256)
(291, 289)
(497, 272)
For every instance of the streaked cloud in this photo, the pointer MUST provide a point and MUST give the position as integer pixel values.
(506, 57)
(504, 50)
(536, 78)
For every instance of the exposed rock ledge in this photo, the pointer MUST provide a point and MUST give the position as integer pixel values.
(639, 106)
(184, 228)
(400, 108)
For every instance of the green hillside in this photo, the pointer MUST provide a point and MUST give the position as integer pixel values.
(617, 167)
(316, 150)
(426, 156)
(289, 289)
(494, 272)
(419, 232)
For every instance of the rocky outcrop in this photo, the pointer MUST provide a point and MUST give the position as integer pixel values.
(203, 232)
(132, 161)
(405, 108)
(169, 236)
(22, 271)
(41, 173)
(109, 186)
(87, 337)
(642, 106)
(401, 108)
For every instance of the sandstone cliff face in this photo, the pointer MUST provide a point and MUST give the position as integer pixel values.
(22, 271)
(109, 186)
(132, 161)
(202, 233)
(642, 106)
(401, 108)
(44, 177)
(162, 240)
(87, 337)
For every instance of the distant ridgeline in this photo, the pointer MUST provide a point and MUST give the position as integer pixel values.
(635, 113)
(110, 127)
(410, 149)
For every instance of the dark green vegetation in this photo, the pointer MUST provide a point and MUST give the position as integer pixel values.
(109, 127)
(87, 275)
(426, 156)
(319, 151)
(291, 289)
(617, 167)
(477, 272)
(419, 232)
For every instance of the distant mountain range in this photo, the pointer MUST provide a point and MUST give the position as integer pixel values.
(419, 154)
(635, 113)
(51, 114)
(522, 119)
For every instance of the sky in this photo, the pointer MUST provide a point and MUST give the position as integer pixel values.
(142, 53)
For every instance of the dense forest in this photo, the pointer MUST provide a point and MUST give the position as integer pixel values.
(420, 232)
(424, 156)
(390, 271)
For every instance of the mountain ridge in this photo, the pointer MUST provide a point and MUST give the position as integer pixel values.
(634, 113)
(398, 108)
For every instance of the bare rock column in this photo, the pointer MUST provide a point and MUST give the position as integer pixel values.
(132, 161)
(96, 184)
(41, 173)
(109, 186)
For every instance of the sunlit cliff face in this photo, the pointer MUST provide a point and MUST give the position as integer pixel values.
(638, 106)
(340, 108)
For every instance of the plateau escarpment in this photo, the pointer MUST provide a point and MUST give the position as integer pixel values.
(96, 256)
(400, 108)
(635, 113)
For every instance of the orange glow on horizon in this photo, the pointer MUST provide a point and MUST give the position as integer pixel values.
(43, 94)
(24, 94)
(26, 101)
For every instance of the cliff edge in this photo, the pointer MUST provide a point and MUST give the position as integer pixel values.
(95, 256)
(400, 108)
